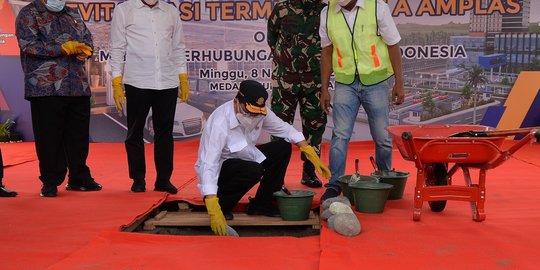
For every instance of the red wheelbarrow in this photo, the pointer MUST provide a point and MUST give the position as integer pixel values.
(434, 148)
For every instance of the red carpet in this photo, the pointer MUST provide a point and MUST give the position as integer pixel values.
(81, 230)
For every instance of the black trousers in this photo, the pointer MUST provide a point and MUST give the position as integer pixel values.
(61, 131)
(163, 105)
(238, 176)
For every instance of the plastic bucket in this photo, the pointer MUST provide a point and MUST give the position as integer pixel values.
(397, 179)
(345, 180)
(370, 197)
(296, 206)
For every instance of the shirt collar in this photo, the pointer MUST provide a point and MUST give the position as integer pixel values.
(359, 3)
(40, 6)
(140, 4)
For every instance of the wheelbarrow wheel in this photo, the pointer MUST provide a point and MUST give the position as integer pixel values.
(437, 175)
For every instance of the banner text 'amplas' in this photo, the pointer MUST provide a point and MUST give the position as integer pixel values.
(455, 7)
(255, 10)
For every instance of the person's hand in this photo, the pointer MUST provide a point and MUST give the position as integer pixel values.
(217, 220)
(312, 156)
(398, 94)
(325, 101)
(118, 92)
(184, 87)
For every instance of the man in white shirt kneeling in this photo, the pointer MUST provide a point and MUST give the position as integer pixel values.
(230, 164)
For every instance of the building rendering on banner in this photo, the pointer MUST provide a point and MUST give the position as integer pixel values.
(224, 48)
(519, 22)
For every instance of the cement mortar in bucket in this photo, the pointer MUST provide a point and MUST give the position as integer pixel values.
(396, 178)
(370, 197)
(345, 180)
(294, 207)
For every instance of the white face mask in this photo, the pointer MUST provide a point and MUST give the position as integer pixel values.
(343, 3)
(55, 5)
(245, 120)
(249, 123)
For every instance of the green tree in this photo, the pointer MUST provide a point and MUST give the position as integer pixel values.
(428, 104)
(466, 92)
(474, 78)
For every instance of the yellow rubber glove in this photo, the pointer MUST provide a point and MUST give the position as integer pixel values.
(71, 47)
(312, 156)
(217, 220)
(184, 87)
(86, 49)
(118, 92)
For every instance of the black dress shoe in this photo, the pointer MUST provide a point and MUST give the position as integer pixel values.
(138, 186)
(255, 210)
(89, 185)
(4, 192)
(48, 191)
(228, 215)
(166, 187)
(312, 182)
(309, 178)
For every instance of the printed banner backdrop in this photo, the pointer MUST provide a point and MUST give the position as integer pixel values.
(442, 43)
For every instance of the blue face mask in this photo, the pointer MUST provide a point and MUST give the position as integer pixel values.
(55, 5)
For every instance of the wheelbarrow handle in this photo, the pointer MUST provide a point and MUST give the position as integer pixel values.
(494, 133)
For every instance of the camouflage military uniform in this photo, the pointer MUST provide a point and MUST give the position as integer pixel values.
(293, 37)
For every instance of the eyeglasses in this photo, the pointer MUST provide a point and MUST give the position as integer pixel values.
(245, 112)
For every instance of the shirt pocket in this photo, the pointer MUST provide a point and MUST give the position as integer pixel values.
(236, 145)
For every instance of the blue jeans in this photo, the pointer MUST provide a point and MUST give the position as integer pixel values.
(347, 101)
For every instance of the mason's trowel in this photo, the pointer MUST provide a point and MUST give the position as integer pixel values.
(231, 231)
(356, 176)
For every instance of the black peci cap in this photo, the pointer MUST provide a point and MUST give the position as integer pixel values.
(254, 95)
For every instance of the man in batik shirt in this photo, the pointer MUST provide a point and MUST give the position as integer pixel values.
(55, 44)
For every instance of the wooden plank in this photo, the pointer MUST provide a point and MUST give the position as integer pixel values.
(160, 215)
(149, 224)
(136, 224)
(240, 219)
(183, 206)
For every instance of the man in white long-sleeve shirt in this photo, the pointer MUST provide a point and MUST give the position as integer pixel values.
(230, 164)
(148, 60)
